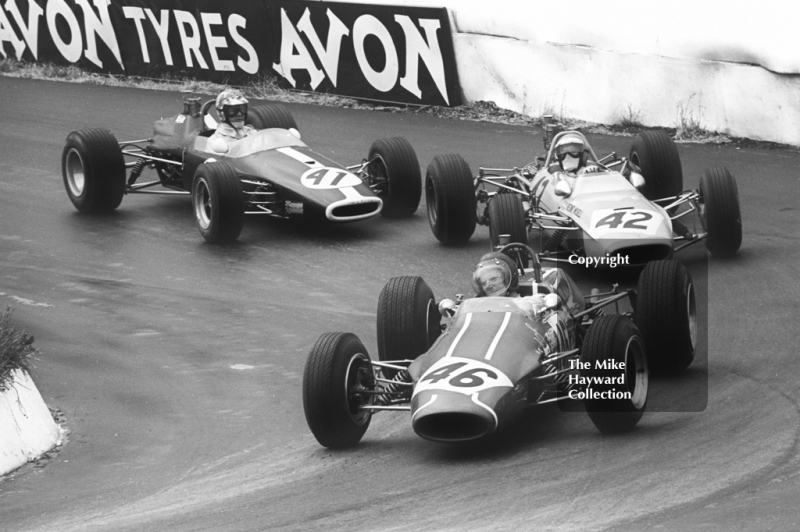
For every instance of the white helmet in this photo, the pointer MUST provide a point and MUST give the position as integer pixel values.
(570, 151)
(232, 107)
(491, 277)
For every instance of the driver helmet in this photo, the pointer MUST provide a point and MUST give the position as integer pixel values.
(232, 107)
(491, 277)
(570, 151)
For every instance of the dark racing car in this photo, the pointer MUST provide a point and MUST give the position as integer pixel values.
(271, 172)
(496, 356)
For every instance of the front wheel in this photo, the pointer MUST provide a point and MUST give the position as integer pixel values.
(336, 381)
(507, 217)
(613, 356)
(450, 199)
(394, 161)
(218, 202)
(723, 218)
(93, 170)
(408, 319)
(666, 314)
(656, 155)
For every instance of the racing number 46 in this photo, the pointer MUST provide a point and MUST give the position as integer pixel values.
(464, 379)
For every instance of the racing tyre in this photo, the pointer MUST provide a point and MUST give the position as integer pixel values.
(408, 319)
(93, 170)
(450, 199)
(723, 218)
(666, 314)
(656, 155)
(610, 341)
(268, 116)
(396, 164)
(507, 217)
(337, 372)
(218, 202)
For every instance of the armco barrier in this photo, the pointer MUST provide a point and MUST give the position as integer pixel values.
(731, 66)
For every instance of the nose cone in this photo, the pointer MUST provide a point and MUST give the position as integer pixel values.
(449, 417)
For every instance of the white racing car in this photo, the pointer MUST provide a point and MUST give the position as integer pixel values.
(608, 210)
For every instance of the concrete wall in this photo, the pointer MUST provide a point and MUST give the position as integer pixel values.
(733, 66)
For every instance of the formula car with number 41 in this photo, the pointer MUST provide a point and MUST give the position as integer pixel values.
(271, 172)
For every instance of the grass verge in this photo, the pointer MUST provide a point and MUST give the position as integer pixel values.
(16, 350)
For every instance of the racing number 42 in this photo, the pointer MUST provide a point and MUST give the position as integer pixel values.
(634, 220)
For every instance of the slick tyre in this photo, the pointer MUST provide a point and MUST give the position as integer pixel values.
(93, 170)
(656, 155)
(396, 163)
(450, 199)
(218, 202)
(507, 217)
(269, 116)
(408, 319)
(337, 372)
(610, 341)
(723, 218)
(666, 315)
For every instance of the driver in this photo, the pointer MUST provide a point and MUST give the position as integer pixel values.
(232, 110)
(570, 152)
(492, 277)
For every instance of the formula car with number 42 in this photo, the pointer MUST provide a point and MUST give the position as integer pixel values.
(630, 207)
(497, 355)
(271, 172)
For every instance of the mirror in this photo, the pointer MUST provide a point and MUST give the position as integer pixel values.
(447, 307)
(563, 189)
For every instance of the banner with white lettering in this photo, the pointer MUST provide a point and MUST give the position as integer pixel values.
(385, 53)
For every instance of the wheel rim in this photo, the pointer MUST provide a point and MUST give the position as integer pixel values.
(358, 372)
(691, 311)
(76, 176)
(636, 373)
(430, 201)
(380, 177)
(432, 322)
(201, 198)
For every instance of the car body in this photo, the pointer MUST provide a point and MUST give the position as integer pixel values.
(631, 209)
(271, 172)
(496, 356)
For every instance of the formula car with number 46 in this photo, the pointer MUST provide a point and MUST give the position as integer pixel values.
(497, 355)
(608, 206)
(271, 172)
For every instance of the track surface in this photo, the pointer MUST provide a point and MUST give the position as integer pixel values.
(178, 365)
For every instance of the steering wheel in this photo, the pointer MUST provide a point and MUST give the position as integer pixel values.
(521, 254)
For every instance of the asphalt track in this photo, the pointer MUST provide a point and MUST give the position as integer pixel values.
(178, 365)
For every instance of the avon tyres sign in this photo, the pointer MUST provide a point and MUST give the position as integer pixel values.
(402, 54)
(384, 53)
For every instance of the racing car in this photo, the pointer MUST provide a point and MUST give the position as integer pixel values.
(271, 172)
(469, 377)
(631, 208)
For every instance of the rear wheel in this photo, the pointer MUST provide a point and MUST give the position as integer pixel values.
(656, 155)
(408, 319)
(395, 162)
(450, 199)
(337, 374)
(723, 218)
(269, 116)
(218, 202)
(93, 170)
(666, 314)
(507, 217)
(618, 404)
